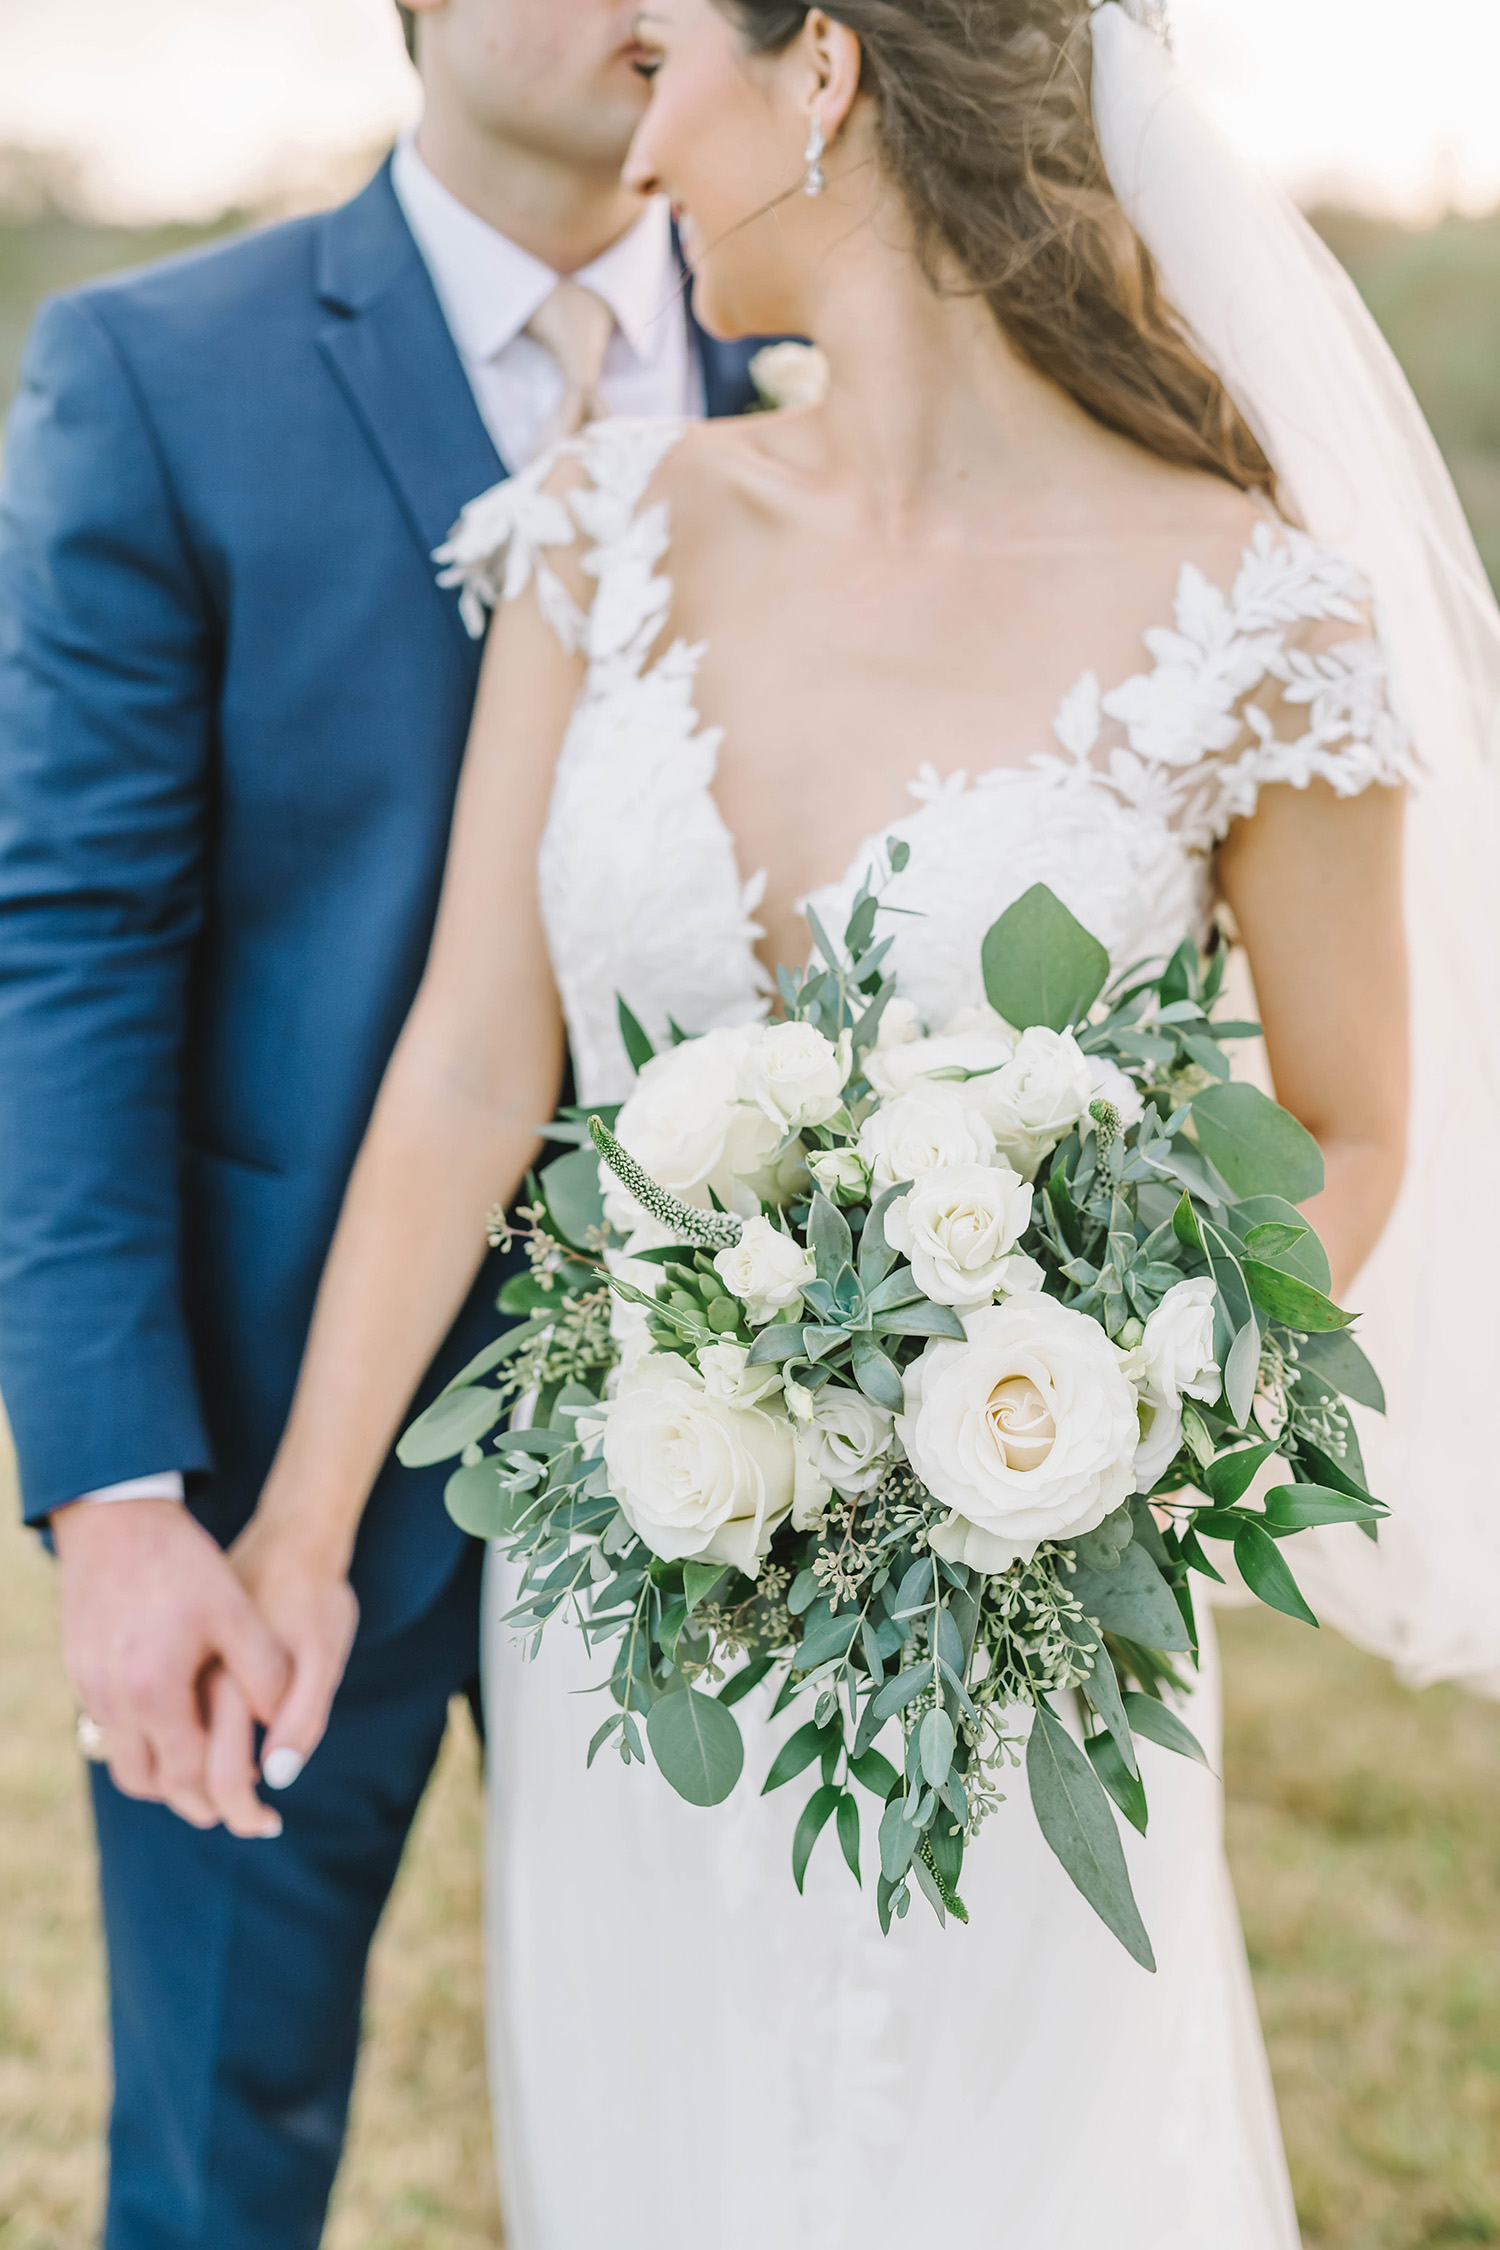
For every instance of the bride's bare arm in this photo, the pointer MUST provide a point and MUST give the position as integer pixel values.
(1314, 882)
(475, 1072)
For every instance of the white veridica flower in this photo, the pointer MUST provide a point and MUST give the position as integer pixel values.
(845, 1438)
(907, 1138)
(1037, 1099)
(1173, 1360)
(696, 1476)
(958, 1227)
(688, 1124)
(1026, 1431)
(795, 1076)
(842, 1174)
(766, 1270)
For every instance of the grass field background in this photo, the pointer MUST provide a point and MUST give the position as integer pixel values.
(1364, 1821)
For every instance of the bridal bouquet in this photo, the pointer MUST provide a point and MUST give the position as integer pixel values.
(912, 1372)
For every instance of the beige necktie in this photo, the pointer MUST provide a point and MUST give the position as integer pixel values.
(575, 326)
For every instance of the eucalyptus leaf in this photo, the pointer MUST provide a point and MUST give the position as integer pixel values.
(574, 1197)
(1242, 1372)
(937, 1742)
(1123, 1782)
(697, 1745)
(1162, 1726)
(1265, 1572)
(1073, 1814)
(1341, 1363)
(452, 1422)
(1255, 1146)
(478, 1502)
(1133, 1599)
(1041, 966)
(1103, 1691)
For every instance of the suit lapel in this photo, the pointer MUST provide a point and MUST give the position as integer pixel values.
(388, 346)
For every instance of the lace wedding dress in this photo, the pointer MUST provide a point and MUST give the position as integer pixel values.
(687, 2056)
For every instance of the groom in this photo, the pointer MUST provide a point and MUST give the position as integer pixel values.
(233, 703)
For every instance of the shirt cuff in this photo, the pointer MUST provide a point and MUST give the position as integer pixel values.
(167, 1486)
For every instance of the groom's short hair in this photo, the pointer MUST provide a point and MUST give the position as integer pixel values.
(409, 26)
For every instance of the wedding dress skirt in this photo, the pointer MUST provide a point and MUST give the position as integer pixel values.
(685, 2055)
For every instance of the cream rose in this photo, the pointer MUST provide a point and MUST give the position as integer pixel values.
(845, 1438)
(1026, 1431)
(766, 1270)
(907, 1138)
(1037, 1099)
(795, 1076)
(842, 1174)
(728, 1375)
(958, 1227)
(696, 1476)
(790, 375)
(688, 1124)
(1173, 1360)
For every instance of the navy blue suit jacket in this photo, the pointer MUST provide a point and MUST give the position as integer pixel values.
(233, 705)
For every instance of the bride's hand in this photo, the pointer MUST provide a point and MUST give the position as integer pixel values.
(300, 1586)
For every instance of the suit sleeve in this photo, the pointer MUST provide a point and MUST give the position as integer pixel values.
(108, 664)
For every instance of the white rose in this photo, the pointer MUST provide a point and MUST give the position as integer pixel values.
(728, 1375)
(845, 1439)
(1113, 1085)
(907, 1138)
(958, 1227)
(766, 1270)
(790, 375)
(893, 1071)
(1174, 1359)
(1026, 1431)
(796, 1077)
(695, 1476)
(899, 1023)
(688, 1125)
(1037, 1099)
(842, 1174)
(1020, 1276)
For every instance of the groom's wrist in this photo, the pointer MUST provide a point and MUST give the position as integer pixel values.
(166, 1485)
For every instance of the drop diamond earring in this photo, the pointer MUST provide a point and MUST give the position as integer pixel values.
(816, 143)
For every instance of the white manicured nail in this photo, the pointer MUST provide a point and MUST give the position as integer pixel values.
(282, 1768)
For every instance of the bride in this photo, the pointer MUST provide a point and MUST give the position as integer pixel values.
(1024, 591)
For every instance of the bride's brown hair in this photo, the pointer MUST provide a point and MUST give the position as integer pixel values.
(985, 123)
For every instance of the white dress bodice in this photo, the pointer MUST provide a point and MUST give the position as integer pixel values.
(685, 2054)
(1280, 678)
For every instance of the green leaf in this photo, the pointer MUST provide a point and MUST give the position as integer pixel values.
(898, 1842)
(1242, 1372)
(637, 1046)
(1162, 1726)
(828, 1237)
(1296, 1507)
(1073, 1814)
(1231, 1476)
(697, 1744)
(875, 1254)
(524, 1296)
(848, 1824)
(1041, 965)
(875, 1773)
(1266, 1574)
(1103, 1691)
(574, 1197)
(831, 1636)
(1341, 1363)
(816, 1814)
(936, 1742)
(1134, 1600)
(1273, 1237)
(478, 1502)
(878, 1377)
(1185, 1224)
(699, 1580)
(897, 1693)
(456, 1420)
(925, 1319)
(1256, 1147)
(1295, 1302)
(1123, 1782)
(1305, 1257)
(742, 1682)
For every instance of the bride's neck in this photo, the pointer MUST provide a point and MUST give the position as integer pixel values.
(929, 407)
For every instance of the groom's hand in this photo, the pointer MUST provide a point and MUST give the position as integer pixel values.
(152, 1612)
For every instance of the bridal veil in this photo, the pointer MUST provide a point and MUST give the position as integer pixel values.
(1272, 312)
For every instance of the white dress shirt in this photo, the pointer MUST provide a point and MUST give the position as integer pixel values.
(489, 288)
